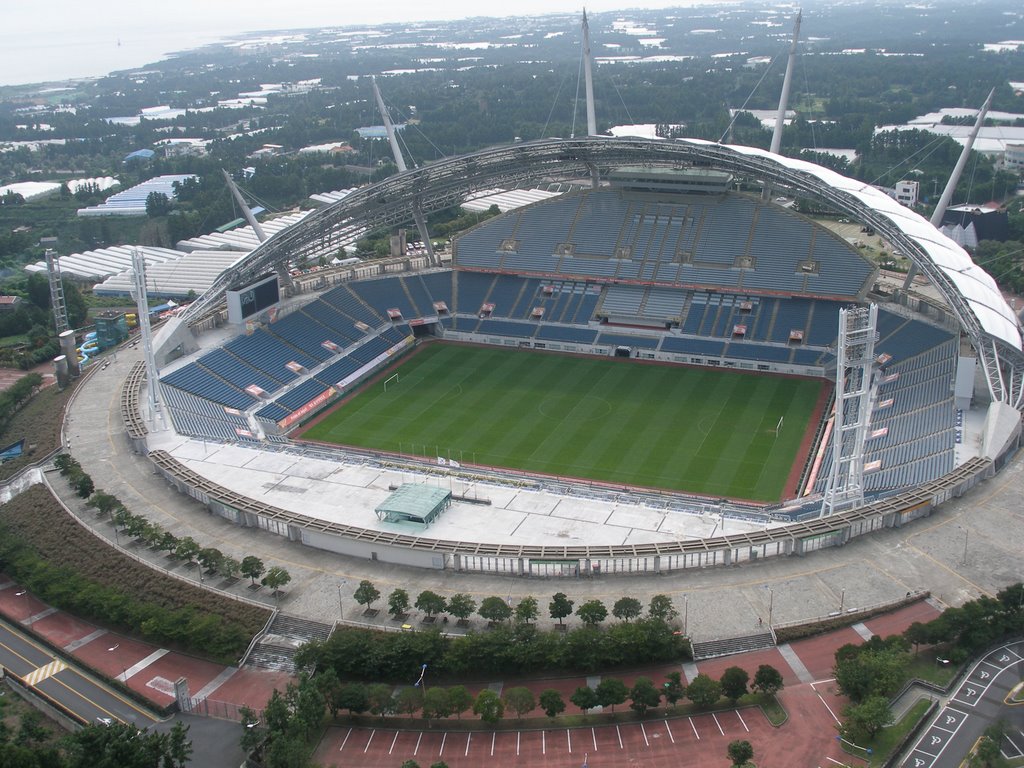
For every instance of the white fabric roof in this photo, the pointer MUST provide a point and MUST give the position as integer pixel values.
(975, 284)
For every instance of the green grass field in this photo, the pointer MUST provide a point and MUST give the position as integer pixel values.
(698, 430)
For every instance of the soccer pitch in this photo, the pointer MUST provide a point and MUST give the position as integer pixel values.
(700, 430)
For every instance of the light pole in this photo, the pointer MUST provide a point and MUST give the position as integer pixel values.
(771, 605)
(341, 605)
(842, 599)
(686, 614)
(967, 535)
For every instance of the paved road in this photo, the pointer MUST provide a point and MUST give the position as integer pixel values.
(974, 705)
(58, 679)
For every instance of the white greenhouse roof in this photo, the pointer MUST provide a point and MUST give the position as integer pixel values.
(195, 271)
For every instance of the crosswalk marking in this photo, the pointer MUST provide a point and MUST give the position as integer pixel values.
(36, 676)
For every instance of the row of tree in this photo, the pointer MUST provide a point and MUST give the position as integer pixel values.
(77, 477)
(210, 559)
(16, 396)
(496, 609)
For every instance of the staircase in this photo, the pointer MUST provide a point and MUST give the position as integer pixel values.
(276, 649)
(714, 648)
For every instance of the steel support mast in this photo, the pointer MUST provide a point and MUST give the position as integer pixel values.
(780, 117)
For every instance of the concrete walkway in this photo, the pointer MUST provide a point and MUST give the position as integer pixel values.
(985, 525)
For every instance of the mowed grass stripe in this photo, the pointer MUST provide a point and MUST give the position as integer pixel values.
(700, 430)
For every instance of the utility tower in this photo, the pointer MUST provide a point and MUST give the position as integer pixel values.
(855, 360)
(57, 303)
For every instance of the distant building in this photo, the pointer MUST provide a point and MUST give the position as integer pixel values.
(139, 155)
(968, 224)
(1013, 159)
(183, 147)
(10, 303)
(377, 131)
(907, 192)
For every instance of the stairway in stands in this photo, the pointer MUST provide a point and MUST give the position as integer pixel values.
(714, 648)
(276, 649)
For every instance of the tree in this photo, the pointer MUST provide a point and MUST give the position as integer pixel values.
(560, 607)
(643, 696)
(168, 542)
(767, 680)
(866, 719)
(520, 700)
(276, 578)
(592, 613)
(459, 699)
(436, 703)
(398, 603)
(103, 503)
(552, 703)
(527, 610)
(409, 700)
(157, 204)
(187, 549)
(252, 567)
(489, 706)
(410, 763)
(210, 558)
(380, 698)
(627, 608)
(461, 606)
(673, 688)
(84, 486)
(430, 603)
(354, 697)
(661, 608)
(740, 752)
(494, 609)
(611, 691)
(584, 698)
(229, 567)
(366, 594)
(734, 683)
(704, 691)
(252, 734)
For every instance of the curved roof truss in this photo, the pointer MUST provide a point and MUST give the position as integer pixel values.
(970, 292)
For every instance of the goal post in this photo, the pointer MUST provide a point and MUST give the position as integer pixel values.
(392, 380)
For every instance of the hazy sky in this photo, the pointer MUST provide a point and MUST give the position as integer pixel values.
(61, 39)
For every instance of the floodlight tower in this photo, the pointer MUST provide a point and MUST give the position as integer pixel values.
(855, 358)
(57, 302)
(954, 179)
(780, 117)
(417, 208)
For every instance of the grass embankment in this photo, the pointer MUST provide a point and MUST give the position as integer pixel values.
(700, 430)
(39, 423)
(49, 552)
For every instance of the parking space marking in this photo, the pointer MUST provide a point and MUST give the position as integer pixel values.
(369, 740)
(444, 736)
(494, 735)
(345, 740)
(742, 721)
(644, 732)
(1017, 750)
(417, 749)
(393, 741)
(619, 734)
(517, 743)
(543, 742)
(593, 732)
(568, 739)
(718, 724)
(694, 728)
(673, 738)
(469, 738)
(822, 698)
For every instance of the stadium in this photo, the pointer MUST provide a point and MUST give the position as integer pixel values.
(657, 370)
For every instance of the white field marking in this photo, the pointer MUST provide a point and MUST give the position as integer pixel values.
(742, 721)
(828, 707)
(345, 740)
(469, 738)
(718, 724)
(619, 734)
(694, 728)
(393, 742)
(417, 749)
(443, 737)
(369, 740)
(644, 732)
(673, 738)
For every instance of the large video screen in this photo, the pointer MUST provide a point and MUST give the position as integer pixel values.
(249, 300)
